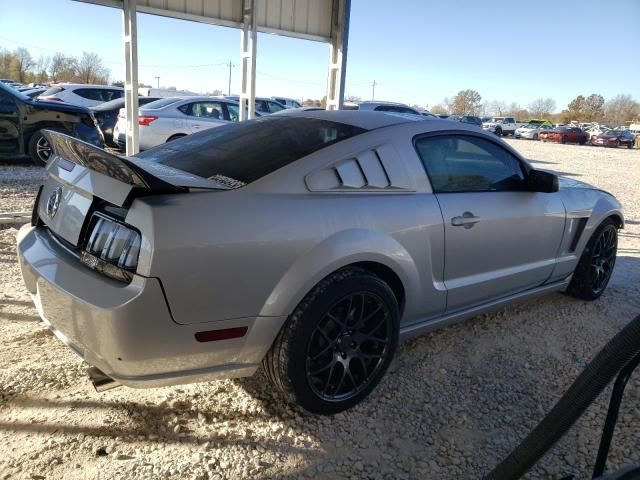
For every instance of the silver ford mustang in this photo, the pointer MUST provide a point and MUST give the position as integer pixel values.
(309, 242)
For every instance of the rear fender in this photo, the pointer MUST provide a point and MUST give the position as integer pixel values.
(338, 251)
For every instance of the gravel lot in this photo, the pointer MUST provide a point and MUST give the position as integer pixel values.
(454, 403)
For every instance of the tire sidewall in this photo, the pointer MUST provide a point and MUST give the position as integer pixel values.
(33, 149)
(312, 315)
(580, 286)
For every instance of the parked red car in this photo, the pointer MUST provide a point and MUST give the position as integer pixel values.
(615, 139)
(565, 135)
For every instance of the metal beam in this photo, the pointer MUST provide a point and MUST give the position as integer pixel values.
(338, 54)
(130, 33)
(248, 44)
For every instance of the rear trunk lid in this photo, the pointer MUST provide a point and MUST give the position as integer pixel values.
(83, 178)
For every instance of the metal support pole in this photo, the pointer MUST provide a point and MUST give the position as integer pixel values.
(612, 416)
(248, 44)
(131, 75)
(338, 54)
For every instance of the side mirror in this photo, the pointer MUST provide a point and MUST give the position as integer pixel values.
(543, 182)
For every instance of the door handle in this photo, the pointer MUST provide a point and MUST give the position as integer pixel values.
(467, 220)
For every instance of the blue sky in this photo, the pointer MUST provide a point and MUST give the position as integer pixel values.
(417, 51)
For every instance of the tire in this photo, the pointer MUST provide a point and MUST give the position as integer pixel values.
(39, 149)
(175, 137)
(498, 131)
(617, 144)
(349, 314)
(583, 141)
(630, 146)
(596, 264)
(563, 140)
(535, 136)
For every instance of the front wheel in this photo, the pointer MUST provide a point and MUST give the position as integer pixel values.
(596, 264)
(535, 136)
(498, 131)
(338, 343)
(564, 140)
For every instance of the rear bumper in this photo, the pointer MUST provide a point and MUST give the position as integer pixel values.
(127, 330)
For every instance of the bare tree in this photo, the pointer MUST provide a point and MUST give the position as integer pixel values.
(21, 64)
(497, 108)
(542, 107)
(466, 102)
(439, 109)
(90, 69)
(620, 109)
(62, 68)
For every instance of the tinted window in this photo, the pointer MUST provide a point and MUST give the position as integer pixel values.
(208, 110)
(261, 106)
(89, 93)
(233, 112)
(460, 163)
(393, 108)
(274, 107)
(246, 151)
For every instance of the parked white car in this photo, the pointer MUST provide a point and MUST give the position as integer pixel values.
(500, 125)
(287, 102)
(531, 130)
(81, 95)
(170, 118)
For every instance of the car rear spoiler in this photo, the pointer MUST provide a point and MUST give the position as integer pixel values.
(70, 151)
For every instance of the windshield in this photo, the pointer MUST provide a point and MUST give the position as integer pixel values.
(240, 153)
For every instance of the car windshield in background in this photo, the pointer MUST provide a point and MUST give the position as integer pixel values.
(163, 102)
(239, 153)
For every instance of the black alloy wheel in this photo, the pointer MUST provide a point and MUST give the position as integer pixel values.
(603, 258)
(348, 346)
(337, 344)
(594, 270)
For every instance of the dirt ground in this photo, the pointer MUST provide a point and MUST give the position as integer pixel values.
(453, 404)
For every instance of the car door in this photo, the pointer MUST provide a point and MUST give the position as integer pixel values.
(499, 238)
(9, 125)
(205, 114)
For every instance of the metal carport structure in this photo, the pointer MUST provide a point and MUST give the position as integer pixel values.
(320, 20)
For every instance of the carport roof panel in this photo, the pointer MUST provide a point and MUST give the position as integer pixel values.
(308, 19)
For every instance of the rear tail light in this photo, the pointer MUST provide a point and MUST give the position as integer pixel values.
(52, 99)
(145, 120)
(112, 249)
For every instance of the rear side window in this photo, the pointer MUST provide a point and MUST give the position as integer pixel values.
(89, 93)
(246, 151)
(274, 107)
(459, 163)
(393, 108)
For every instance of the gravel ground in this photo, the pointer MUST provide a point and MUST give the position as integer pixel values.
(453, 404)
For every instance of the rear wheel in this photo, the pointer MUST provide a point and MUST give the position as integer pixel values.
(596, 264)
(630, 145)
(535, 136)
(39, 149)
(338, 343)
(616, 144)
(564, 139)
(498, 131)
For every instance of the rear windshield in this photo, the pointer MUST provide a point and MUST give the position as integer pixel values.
(163, 102)
(239, 153)
(52, 91)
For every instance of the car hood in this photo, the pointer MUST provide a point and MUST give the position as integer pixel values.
(566, 183)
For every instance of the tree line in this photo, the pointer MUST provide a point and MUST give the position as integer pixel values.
(20, 66)
(592, 108)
